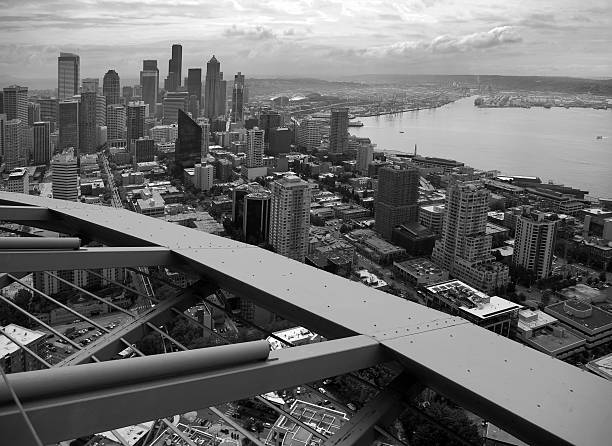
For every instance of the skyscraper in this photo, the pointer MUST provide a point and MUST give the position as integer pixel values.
(115, 122)
(15, 103)
(205, 137)
(33, 113)
(68, 121)
(238, 98)
(42, 142)
(48, 111)
(68, 66)
(174, 68)
(309, 133)
(464, 248)
(255, 147)
(100, 110)
(14, 155)
(64, 176)
(269, 119)
(194, 84)
(256, 217)
(397, 199)
(87, 123)
(135, 120)
(90, 85)
(149, 81)
(365, 155)
(173, 102)
(188, 145)
(111, 88)
(290, 217)
(214, 99)
(338, 130)
(2, 133)
(535, 242)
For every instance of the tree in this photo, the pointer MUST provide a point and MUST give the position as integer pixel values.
(23, 298)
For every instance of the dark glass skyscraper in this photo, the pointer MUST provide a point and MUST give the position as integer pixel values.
(238, 98)
(68, 124)
(68, 75)
(149, 81)
(338, 130)
(111, 88)
(194, 82)
(87, 123)
(269, 119)
(188, 145)
(397, 199)
(173, 82)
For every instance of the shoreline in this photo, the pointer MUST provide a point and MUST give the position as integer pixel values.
(397, 112)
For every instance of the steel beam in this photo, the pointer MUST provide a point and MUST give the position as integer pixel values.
(73, 412)
(24, 213)
(383, 408)
(236, 426)
(32, 243)
(107, 346)
(55, 260)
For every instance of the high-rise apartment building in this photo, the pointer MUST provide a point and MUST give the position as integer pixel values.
(238, 98)
(111, 88)
(115, 122)
(396, 199)
(338, 130)
(194, 83)
(42, 142)
(64, 176)
(14, 153)
(214, 90)
(15, 103)
(143, 150)
(48, 111)
(88, 140)
(33, 113)
(188, 145)
(135, 121)
(173, 102)
(68, 120)
(68, 66)
(534, 243)
(149, 81)
(205, 137)
(90, 85)
(310, 133)
(365, 155)
(2, 133)
(18, 181)
(255, 147)
(290, 217)
(204, 176)
(464, 248)
(100, 110)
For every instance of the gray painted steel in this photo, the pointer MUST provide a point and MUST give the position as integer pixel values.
(538, 399)
(19, 243)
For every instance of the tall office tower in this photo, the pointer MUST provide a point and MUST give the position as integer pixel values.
(90, 85)
(397, 199)
(100, 110)
(14, 155)
(365, 155)
(173, 81)
(212, 89)
(188, 145)
(338, 130)
(309, 133)
(42, 142)
(135, 121)
(256, 217)
(68, 66)
(535, 242)
(464, 248)
(238, 98)
(115, 122)
(127, 93)
(33, 113)
(15, 103)
(87, 124)
(222, 102)
(111, 88)
(279, 141)
(269, 119)
(290, 217)
(194, 82)
(48, 111)
(173, 102)
(205, 137)
(2, 134)
(255, 147)
(68, 123)
(1, 102)
(64, 176)
(149, 81)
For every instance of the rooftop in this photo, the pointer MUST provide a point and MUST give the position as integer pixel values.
(582, 315)
(530, 319)
(419, 267)
(21, 334)
(471, 300)
(381, 245)
(602, 366)
(296, 335)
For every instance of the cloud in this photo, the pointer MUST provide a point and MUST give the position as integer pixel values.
(256, 33)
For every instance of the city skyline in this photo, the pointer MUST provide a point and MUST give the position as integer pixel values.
(423, 37)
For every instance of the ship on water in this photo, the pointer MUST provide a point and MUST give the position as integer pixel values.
(355, 124)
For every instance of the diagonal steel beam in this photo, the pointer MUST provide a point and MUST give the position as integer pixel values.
(383, 408)
(67, 410)
(54, 260)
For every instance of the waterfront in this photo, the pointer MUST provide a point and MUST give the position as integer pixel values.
(555, 144)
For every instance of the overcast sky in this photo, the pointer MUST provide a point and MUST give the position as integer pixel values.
(317, 38)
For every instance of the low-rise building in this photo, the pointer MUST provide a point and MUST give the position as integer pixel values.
(592, 322)
(18, 181)
(14, 358)
(420, 272)
(151, 204)
(432, 217)
(602, 366)
(491, 312)
(544, 332)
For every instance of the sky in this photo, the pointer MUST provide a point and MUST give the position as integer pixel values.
(310, 38)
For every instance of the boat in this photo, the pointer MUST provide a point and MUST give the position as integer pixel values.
(599, 137)
(355, 124)
(401, 131)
